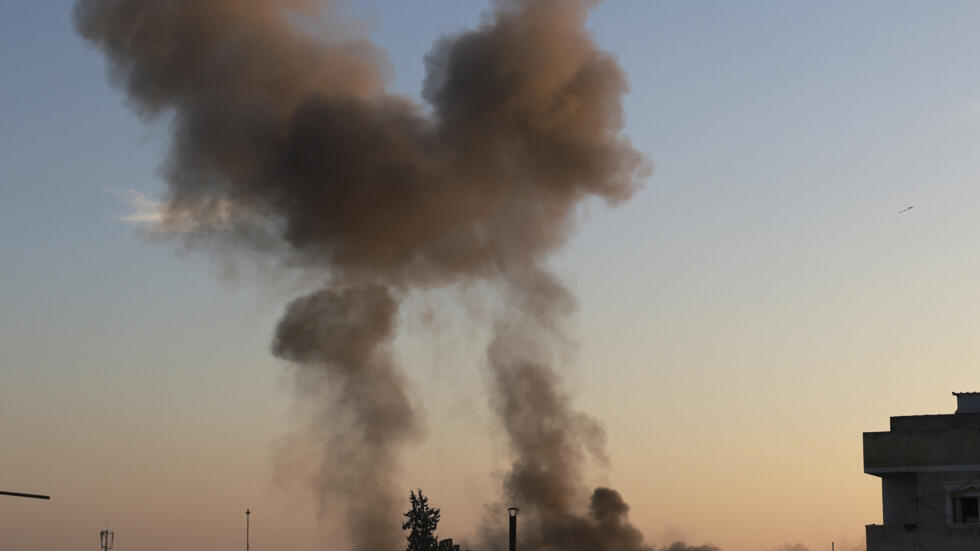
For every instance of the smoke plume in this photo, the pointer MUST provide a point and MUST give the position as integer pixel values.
(286, 143)
(343, 332)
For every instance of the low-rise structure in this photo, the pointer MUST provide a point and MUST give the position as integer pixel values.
(448, 545)
(929, 467)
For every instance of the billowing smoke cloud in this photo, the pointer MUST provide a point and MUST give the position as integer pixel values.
(285, 142)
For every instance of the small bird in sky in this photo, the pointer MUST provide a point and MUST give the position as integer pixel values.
(906, 209)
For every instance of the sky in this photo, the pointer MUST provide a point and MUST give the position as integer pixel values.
(741, 321)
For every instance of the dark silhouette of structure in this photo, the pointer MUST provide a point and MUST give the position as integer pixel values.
(247, 527)
(512, 513)
(448, 545)
(106, 539)
(929, 466)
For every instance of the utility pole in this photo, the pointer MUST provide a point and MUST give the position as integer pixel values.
(247, 513)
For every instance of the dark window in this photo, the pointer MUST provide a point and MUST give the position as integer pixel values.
(967, 510)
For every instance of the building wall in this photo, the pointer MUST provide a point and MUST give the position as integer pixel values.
(932, 499)
(898, 499)
(927, 464)
(899, 538)
(903, 451)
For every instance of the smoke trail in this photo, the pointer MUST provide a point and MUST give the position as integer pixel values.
(551, 441)
(344, 331)
(286, 143)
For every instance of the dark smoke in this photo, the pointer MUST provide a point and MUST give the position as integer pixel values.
(345, 331)
(285, 142)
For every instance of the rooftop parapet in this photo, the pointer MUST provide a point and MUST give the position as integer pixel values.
(912, 451)
(912, 423)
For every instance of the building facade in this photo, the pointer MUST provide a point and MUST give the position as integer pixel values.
(929, 467)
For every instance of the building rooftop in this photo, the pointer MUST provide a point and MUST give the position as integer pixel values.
(947, 421)
(949, 441)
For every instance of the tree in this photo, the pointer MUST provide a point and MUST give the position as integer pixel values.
(421, 520)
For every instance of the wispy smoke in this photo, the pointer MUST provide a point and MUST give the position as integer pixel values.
(286, 142)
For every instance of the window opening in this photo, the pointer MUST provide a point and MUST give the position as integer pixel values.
(966, 510)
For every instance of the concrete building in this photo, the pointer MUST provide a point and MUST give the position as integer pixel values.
(930, 480)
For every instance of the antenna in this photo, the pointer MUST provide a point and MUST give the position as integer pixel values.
(105, 539)
(247, 514)
(21, 494)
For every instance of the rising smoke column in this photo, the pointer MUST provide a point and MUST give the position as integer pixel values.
(342, 333)
(551, 440)
(286, 143)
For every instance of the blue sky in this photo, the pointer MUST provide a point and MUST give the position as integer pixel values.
(741, 321)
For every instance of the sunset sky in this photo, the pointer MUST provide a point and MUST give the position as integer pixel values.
(741, 320)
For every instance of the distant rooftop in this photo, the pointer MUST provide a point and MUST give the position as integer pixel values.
(967, 416)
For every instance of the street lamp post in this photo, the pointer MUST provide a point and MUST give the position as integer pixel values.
(512, 513)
